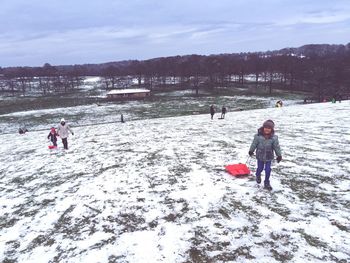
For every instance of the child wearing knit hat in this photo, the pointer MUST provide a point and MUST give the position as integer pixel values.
(265, 143)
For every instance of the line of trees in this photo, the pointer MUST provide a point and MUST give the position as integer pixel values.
(46, 79)
(323, 70)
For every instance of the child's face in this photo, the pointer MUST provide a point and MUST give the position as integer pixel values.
(267, 130)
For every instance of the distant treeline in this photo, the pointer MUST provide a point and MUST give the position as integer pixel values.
(323, 70)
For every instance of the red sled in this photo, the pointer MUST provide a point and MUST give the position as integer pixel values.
(52, 147)
(240, 169)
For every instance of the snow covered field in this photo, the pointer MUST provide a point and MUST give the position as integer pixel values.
(156, 191)
(132, 110)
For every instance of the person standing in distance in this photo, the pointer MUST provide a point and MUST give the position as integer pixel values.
(63, 131)
(212, 111)
(223, 112)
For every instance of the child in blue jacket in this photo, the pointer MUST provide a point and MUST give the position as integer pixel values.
(265, 143)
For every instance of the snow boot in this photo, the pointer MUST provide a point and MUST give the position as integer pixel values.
(267, 186)
(258, 179)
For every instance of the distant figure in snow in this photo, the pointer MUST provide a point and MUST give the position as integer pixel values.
(339, 98)
(212, 111)
(62, 131)
(265, 143)
(22, 130)
(53, 136)
(334, 100)
(223, 112)
(122, 118)
(279, 104)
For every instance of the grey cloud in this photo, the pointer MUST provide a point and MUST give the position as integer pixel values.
(67, 32)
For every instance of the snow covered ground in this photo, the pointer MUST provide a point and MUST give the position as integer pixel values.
(156, 191)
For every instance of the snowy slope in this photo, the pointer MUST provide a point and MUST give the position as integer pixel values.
(155, 191)
(166, 105)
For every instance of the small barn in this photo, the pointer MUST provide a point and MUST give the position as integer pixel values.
(128, 94)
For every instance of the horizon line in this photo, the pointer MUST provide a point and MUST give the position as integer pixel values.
(184, 55)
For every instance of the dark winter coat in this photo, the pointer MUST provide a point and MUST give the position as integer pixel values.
(22, 130)
(265, 147)
(212, 110)
(52, 137)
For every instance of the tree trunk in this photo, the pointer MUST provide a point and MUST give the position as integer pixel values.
(270, 83)
(139, 81)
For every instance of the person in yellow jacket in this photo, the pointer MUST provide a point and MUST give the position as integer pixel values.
(279, 104)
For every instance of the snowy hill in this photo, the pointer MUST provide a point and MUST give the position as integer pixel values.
(155, 191)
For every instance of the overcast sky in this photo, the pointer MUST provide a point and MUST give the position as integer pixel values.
(33, 32)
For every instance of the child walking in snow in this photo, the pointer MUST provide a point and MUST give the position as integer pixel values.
(265, 143)
(53, 136)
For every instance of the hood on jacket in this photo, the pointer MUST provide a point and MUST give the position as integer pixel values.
(261, 132)
(63, 122)
(269, 124)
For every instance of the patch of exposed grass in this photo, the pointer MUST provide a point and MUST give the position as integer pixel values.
(312, 241)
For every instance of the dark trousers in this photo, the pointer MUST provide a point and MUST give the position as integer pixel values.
(65, 143)
(54, 142)
(267, 166)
